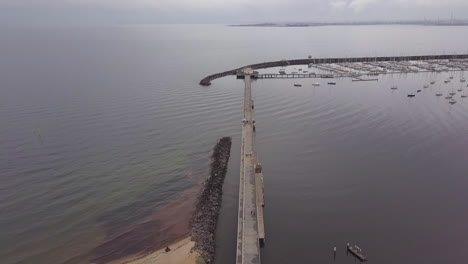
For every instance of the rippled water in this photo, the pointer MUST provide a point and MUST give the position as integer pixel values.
(103, 127)
(361, 163)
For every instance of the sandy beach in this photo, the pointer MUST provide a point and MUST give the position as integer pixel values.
(180, 253)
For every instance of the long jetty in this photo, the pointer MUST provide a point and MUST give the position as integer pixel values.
(282, 63)
(250, 229)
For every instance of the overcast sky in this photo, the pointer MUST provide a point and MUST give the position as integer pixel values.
(223, 11)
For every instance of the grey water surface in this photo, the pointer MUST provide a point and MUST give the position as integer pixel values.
(100, 127)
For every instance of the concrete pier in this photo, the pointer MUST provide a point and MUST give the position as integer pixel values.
(248, 242)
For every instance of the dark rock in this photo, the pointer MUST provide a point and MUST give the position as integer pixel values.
(205, 219)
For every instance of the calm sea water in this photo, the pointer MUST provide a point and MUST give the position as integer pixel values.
(103, 127)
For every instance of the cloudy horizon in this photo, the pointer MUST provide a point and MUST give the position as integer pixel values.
(224, 12)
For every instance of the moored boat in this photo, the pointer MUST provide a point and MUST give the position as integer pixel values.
(357, 252)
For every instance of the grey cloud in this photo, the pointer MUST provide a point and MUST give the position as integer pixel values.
(221, 11)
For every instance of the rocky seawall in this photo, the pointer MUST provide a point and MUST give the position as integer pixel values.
(209, 202)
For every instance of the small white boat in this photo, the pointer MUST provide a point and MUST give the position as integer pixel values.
(394, 87)
(411, 95)
(460, 90)
(446, 81)
(439, 94)
(451, 77)
(463, 80)
(463, 96)
(426, 86)
(452, 93)
(357, 252)
(448, 97)
(452, 101)
(432, 82)
(297, 85)
(316, 84)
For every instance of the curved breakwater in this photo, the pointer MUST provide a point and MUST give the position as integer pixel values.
(207, 80)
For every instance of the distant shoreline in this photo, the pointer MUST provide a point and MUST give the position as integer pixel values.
(321, 24)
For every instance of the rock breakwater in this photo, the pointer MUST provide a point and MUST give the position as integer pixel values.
(209, 202)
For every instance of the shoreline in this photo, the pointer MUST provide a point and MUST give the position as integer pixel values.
(166, 226)
(181, 252)
(359, 23)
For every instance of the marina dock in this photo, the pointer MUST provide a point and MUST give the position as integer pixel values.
(250, 229)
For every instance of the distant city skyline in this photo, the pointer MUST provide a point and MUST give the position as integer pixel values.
(59, 12)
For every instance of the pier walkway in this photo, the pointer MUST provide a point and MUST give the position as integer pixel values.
(248, 240)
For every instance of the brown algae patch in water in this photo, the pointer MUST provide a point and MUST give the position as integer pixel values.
(167, 225)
